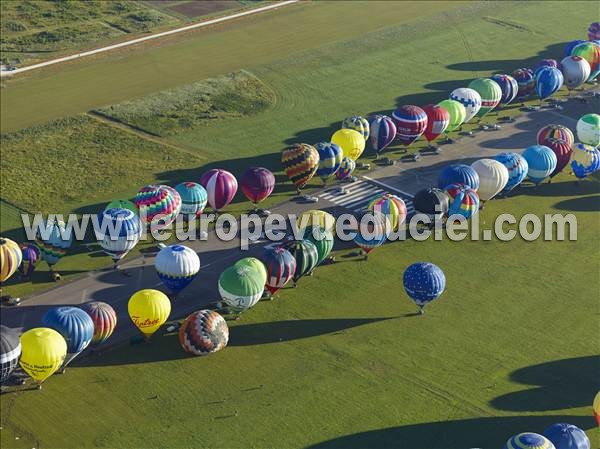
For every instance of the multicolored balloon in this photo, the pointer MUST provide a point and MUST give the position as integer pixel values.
(122, 204)
(221, 187)
(490, 93)
(575, 70)
(149, 309)
(10, 351)
(306, 255)
(53, 241)
(300, 163)
(457, 112)
(177, 266)
(470, 99)
(391, 206)
(346, 169)
(241, 287)
(322, 239)
(463, 200)
(589, 51)
(383, 132)
(257, 183)
(588, 129)
(567, 436)
(517, 169)
(31, 256)
(330, 159)
(280, 265)
(315, 217)
(528, 440)
(558, 132)
(75, 326)
(541, 161)
(411, 122)
(357, 123)
(562, 150)
(118, 232)
(203, 332)
(585, 160)
(493, 177)
(594, 31)
(372, 233)
(508, 86)
(104, 318)
(571, 45)
(596, 408)
(458, 174)
(158, 205)
(431, 202)
(424, 282)
(10, 258)
(193, 199)
(350, 141)
(254, 264)
(526, 81)
(438, 119)
(548, 81)
(43, 351)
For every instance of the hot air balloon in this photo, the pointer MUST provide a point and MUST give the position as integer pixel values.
(525, 80)
(411, 122)
(508, 86)
(176, 266)
(158, 205)
(424, 282)
(53, 242)
(119, 230)
(221, 186)
(149, 309)
(591, 53)
(280, 265)
(463, 200)
(383, 132)
(458, 174)
(10, 351)
(300, 162)
(596, 408)
(306, 255)
(316, 217)
(75, 325)
(541, 161)
(431, 202)
(457, 112)
(322, 239)
(567, 436)
(438, 119)
(31, 255)
(558, 132)
(104, 318)
(588, 129)
(493, 177)
(203, 332)
(122, 204)
(351, 142)
(357, 123)
(576, 71)
(545, 63)
(330, 159)
(193, 199)
(346, 169)
(254, 264)
(257, 183)
(391, 206)
(43, 351)
(517, 169)
(528, 440)
(490, 93)
(240, 287)
(562, 150)
(571, 45)
(594, 31)
(372, 233)
(469, 98)
(548, 81)
(585, 160)
(10, 258)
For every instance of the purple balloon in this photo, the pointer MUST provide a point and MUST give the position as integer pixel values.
(257, 183)
(221, 187)
(383, 131)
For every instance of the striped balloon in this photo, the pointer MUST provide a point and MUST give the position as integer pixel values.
(458, 174)
(104, 318)
(567, 436)
(588, 129)
(546, 63)
(357, 123)
(10, 351)
(177, 266)
(457, 112)
(53, 241)
(221, 187)
(371, 233)
(391, 206)
(469, 98)
(541, 161)
(119, 231)
(10, 258)
(589, 51)
(548, 81)
(517, 169)
(330, 158)
(463, 200)
(203, 332)
(438, 120)
(528, 440)
(585, 160)
(525, 80)
(490, 93)
(424, 282)
(411, 122)
(31, 256)
(571, 45)
(300, 163)
(75, 325)
(306, 255)
(193, 199)
(558, 132)
(280, 265)
(257, 183)
(562, 150)
(158, 205)
(322, 239)
(346, 169)
(383, 132)
(508, 86)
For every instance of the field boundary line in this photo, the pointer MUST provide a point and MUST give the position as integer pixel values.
(138, 40)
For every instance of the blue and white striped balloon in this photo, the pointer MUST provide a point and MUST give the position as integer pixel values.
(119, 231)
(517, 169)
(541, 161)
(330, 158)
(528, 440)
(74, 324)
(177, 266)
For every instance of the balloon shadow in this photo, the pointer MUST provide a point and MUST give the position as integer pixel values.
(585, 204)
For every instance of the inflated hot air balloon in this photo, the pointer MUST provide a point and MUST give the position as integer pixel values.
(528, 440)
(75, 325)
(567, 436)
(221, 187)
(346, 169)
(575, 70)
(203, 332)
(158, 205)
(571, 45)
(280, 265)
(330, 159)
(457, 112)
(53, 242)
(322, 239)
(10, 258)
(562, 150)
(525, 80)
(438, 119)
(241, 287)
(493, 177)
(490, 93)
(351, 142)
(193, 199)
(390, 206)
(594, 31)
(517, 169)
(254, 264)
(316, 217)
(176, 266)
(585, 160)
(458, 174)
(589, 51)
(463, 200)
(10, 351)
(545, 63)
(149, 309)
(469, 98)
(306, 255)
(357, 123)
(541, 161)
(588, 129)
(431, 202)
(383, 132)
(257, 183)
(558, 132)
(31, 256)
(596, 408)
(411, 122)
(372, 233)
(43, 351)
(508, 86)
(548, 81)
(104, 318)
(119, 230)
(122, 204)
(424, 282)
(300, 162)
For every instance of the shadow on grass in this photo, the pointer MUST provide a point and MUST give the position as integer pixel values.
(585, 204)
(565, 188)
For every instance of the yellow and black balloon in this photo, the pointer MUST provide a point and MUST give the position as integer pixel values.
(300, 162)
(10, 258)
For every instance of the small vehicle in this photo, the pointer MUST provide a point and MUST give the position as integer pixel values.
(387, 161)
(496, 127)
(413, 157)
(340, 190)
(430, 150)
(363, 166)
(531, 108)
(10, 300)
(484, 127)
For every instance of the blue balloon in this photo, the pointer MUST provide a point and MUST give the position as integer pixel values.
(193, 199)
(424, 282)
(119, 230)
(458, 174)
(541, 160)
(571, 45)
(74, 324)
(176, 266)
(330, 159)
(548, 81)
(528, 440)
(508, 86)
(517, 169)
(567, 436)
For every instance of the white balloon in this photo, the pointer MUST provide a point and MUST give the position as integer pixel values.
(493, 177)
(469, 98)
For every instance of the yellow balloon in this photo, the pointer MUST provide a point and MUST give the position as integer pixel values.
(43, 351)
(10, 258)
(597, 408)
(350, 141)
(149, 309)
(315, 217)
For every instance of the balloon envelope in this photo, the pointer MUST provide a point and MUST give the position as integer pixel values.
(567, 436)
(458, 174)
(10, 351)
(588, 129)
(280, 265)
(118, 233)
(424, 282)
(493, 177)
(177, 266)
(372, 233)
(322, 239)
(149, 309)
(240, 287)
(457, 112)
(31, 256)
(596, 408)
(411, 122)
(382, 132)
(330, 159)
(300, 162)
(431, 202)
(571, 45)
(558, 132)
(318, 218)
(508, 86)
(585, 160)
(104, 318)
(193, 199)
(346, 169)
(122, 204)
(517, 169)
(469, 98)
(526, 81)
(391, 206)
(10, 258)
(528, 440)
(548, 81)
(463, 200)
(490, 93)
(350, 141)
(43, 351)
(541, 161)
(254, 264)
(75, 326)
(438, 119)
(257, 183)
(589, 51)
(306, 255)
(575, 70)
(203, 332)
(221, 187)
(53, 241)
(562, 150)
(357, 123)
(158, 205)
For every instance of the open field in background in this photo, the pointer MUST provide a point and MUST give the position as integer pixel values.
(192, 9)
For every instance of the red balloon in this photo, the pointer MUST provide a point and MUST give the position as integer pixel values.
(257, 183)
(563, 151)
(438, 120)
(221, 186)
(410, 122)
